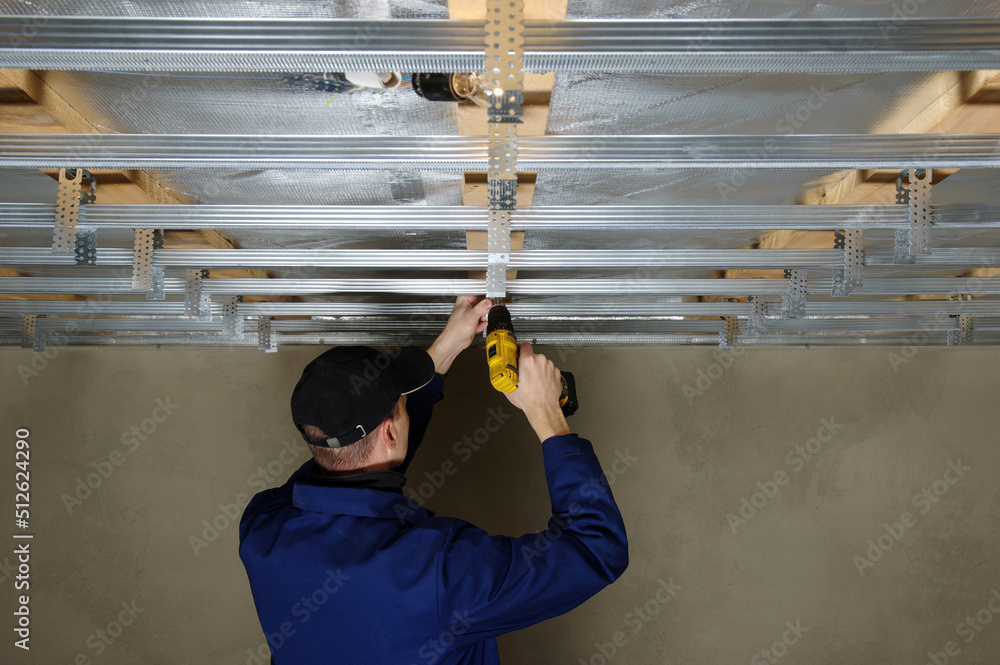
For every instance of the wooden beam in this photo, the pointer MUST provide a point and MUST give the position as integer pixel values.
(968, 105)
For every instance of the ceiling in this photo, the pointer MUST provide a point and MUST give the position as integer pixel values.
(634, 248)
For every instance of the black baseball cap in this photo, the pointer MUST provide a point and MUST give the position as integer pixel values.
(349, 390)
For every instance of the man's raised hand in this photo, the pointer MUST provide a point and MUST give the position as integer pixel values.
(537, 393)
(468, 317)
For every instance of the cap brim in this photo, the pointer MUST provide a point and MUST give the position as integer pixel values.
(415, 367)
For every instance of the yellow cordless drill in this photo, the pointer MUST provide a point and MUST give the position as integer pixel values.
(502, 353)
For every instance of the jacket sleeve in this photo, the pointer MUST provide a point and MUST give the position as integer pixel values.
(419, 405)
(489, 585)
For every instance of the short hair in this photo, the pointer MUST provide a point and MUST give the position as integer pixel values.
(348, 458)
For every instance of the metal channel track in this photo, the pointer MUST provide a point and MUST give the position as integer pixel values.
(538, 259)
(583, 219)
(886, 286)
(201, 151)
(575, 310)
(453, 259)
(924, 325)
(545, 339)
(676, 46)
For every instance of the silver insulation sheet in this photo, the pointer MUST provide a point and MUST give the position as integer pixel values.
(581, 104)
(198, 104)
(261, 104)
(766, 104)
(968, 186)
(264, 104)
(597, 104)
(18, 186)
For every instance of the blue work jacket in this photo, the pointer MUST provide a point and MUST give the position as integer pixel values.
(358, 575)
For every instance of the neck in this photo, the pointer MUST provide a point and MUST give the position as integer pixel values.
(334, 473)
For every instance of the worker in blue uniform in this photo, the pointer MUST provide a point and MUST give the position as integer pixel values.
(344, 568)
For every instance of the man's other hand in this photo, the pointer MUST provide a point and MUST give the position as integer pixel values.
(468, 317)
(537, 394)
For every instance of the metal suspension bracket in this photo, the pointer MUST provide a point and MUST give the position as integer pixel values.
(232, 322)
(267, 340)
(142, 260)
(41, 337)
(917, 239)
(758, 312)
(28, 330)
(85, 247)
(67, 210)
(793, 303)
(849, 279)
(504, 70)
(197, 305)
(727, 338)
(155, 284)
(962, 334)
(854, 261)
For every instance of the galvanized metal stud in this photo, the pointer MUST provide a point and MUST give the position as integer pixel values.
(465, 153)
(693, 46)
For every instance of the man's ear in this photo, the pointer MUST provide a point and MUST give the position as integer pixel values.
(388, 428)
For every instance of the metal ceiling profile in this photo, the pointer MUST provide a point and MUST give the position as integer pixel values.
(540, 153)
(676, 45)
(651, 263)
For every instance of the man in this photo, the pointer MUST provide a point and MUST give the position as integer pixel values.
(345, 569)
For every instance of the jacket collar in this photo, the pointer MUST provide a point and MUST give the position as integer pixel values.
(362, 502)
